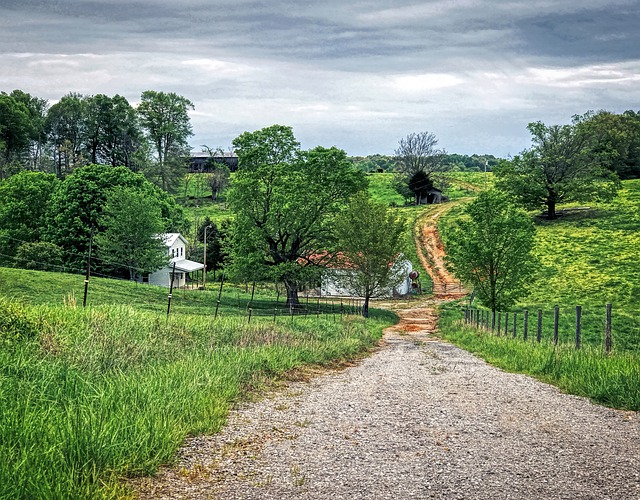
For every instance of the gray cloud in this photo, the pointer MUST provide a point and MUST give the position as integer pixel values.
(356, 74)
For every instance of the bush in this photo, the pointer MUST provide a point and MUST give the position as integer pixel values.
(42, 256)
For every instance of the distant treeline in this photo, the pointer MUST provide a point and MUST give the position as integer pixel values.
(455, 162)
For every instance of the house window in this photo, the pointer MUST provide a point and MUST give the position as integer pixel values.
(181, 251)
(172, 253)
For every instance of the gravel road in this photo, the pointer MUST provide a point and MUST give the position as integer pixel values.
(417, 419)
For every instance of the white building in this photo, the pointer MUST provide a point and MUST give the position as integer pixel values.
(335, 284)
(186, 270)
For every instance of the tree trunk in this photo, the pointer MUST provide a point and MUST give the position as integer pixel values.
(292, 293)
(365, 307)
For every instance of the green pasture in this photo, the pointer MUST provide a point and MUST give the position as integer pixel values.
(90, 396)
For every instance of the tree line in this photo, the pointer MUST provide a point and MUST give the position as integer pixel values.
(79, 130)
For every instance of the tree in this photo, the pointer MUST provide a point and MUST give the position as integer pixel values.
(422, 163)
(41, 256)
(65, 125)
(369, 239)
(217, 179)
(614, 140)
(165, 118)
(284, 200)
(23, 210)
(15, 133)
(559, 168)
(490, 247)
(132, 222)
(112, 131)
(77, 204)
(37, 113)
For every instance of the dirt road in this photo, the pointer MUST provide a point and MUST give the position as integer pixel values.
(417, 419)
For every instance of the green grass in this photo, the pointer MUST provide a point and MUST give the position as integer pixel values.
(612, 380)
(89, 396)
(381, 189)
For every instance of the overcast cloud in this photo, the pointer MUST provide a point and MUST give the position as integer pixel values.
(359, 75)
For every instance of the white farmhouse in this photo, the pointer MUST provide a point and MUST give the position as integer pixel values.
(185, 269)
(333, 280)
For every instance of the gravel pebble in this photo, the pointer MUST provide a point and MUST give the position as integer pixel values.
(417, 419)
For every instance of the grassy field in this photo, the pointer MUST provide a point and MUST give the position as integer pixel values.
(588, 258)
(89, 396)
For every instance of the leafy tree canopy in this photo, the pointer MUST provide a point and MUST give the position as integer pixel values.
(284, 201)
(78, 201)
(23, 209)
(490, 248)
(559, 168)
(369, 238)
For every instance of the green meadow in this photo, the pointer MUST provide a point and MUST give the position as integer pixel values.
(89, 396)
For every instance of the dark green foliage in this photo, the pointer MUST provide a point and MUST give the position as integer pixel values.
(490, 248)
(42, 256)
(559, 168)
(284, 200)
(77, 205)
(23, 208)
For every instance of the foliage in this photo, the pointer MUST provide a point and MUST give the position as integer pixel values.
(23, 208)
(422, 163)
(218, 178)
(42, 255)
(112, 131)
(374, 163)
(15, 130)
(369, 240)
(473, 163)
(283, 200)
(490, 247)
(132, 222)
(77, 204)
(559, 168)
(614, 140)
(65, 127)
(165, 119)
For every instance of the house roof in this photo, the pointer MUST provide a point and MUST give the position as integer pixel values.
(170, 238)
(186, 266)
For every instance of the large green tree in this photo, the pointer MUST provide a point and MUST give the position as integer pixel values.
(24, 203)
(131, 222)
(369, 238)
(65, 125)
(77, 204)
(113, 134)
(165, 119)
(559, 168)
(490, 247)
(614, 140)
(15, 133)
(284, 201)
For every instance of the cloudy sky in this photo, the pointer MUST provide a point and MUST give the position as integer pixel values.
(356, 74)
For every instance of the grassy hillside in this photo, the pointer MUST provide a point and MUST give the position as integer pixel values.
(589, 257)
(88, 396)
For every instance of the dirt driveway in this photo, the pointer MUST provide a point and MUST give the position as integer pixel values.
(417, 419)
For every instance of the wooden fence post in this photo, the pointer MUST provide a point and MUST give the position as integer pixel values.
(539, 336)
(499, 322)
(506, 324)
(526, 325)
(578, 325)
(219, 296)
(607, 331)
(173, 273)
(556, 318)
(515, 324)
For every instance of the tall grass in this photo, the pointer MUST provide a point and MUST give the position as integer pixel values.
(612, 380)
(90, 396)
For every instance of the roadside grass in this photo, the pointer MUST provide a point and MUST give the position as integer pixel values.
(588, 258)
(612, 380)
(91, 396)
